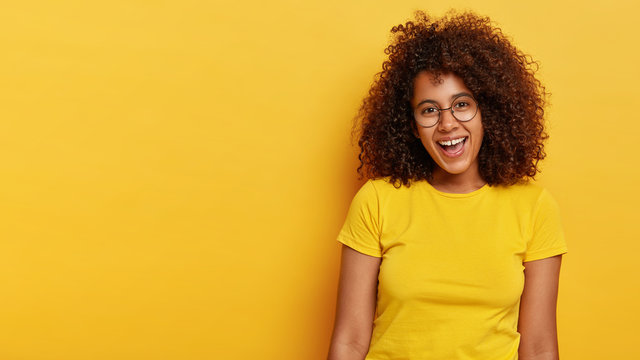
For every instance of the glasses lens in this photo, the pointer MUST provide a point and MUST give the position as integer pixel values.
(464, 108)
(427, 114)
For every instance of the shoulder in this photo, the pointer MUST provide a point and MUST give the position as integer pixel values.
(528, 188)
(537, 195)
(384, 188)
(527, 198)
(379, 185)
(369, 193)
(529, 192)
(381, 191)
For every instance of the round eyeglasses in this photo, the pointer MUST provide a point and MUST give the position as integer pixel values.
(463, 108)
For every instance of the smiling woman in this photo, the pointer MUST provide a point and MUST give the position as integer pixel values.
(452, 138)
(449, 251)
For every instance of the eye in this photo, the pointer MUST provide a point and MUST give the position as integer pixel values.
(429, 110)
(462, 105)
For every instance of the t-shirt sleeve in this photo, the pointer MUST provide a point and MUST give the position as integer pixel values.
(361, 230)
(547, 239)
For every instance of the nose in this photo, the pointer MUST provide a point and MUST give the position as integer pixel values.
(447, 121)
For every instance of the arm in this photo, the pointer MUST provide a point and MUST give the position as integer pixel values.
(537, 321)
(355, 309)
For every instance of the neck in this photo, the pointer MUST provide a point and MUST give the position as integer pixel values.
(463, 183)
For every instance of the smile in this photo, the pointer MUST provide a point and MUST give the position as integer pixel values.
(453, 148)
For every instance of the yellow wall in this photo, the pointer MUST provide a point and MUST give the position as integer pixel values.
(174, 173)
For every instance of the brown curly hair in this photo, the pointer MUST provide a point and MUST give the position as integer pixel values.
(500, 76)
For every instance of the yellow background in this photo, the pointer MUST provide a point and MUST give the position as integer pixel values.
(174, 174)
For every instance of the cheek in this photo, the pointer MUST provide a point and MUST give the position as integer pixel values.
(425, 139)
(477, 132)
(430, 147)
(480, 130)
(480, 134)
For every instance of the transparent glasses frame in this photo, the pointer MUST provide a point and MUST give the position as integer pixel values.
(450, 108)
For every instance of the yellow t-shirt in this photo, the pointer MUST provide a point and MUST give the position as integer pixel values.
(451, 274)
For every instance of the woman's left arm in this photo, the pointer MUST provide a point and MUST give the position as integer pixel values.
(537, 321)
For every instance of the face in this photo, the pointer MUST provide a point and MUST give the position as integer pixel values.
(442, 141)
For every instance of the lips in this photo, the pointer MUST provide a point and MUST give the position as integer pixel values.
(454, 147)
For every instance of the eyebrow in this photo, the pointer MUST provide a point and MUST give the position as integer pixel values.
(451, 98)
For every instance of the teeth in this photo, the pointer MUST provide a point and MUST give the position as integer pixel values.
(452, 142)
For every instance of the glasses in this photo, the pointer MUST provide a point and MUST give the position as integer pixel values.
(463, 108)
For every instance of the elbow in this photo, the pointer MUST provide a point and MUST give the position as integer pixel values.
(547, 355)
(538, 349)
(347, 350)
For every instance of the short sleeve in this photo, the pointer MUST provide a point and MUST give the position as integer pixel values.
(361, 230)
(547, 239)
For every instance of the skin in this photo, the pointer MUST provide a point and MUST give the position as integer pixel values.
(355, 309)
(357, 289)
(537, 321)
(459, 174)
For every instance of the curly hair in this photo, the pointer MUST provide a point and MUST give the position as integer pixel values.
(500, 76)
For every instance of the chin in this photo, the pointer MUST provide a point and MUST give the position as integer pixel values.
(455, 170)
(456, 167)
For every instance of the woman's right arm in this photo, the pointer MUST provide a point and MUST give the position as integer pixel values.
(355, 309)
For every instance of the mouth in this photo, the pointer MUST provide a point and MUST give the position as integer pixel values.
(453, 148)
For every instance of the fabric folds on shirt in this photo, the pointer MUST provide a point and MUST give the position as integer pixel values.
(451, 274)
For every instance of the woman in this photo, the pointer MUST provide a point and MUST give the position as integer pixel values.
(448, 251)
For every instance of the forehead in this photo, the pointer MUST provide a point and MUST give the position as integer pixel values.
(440, 90)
